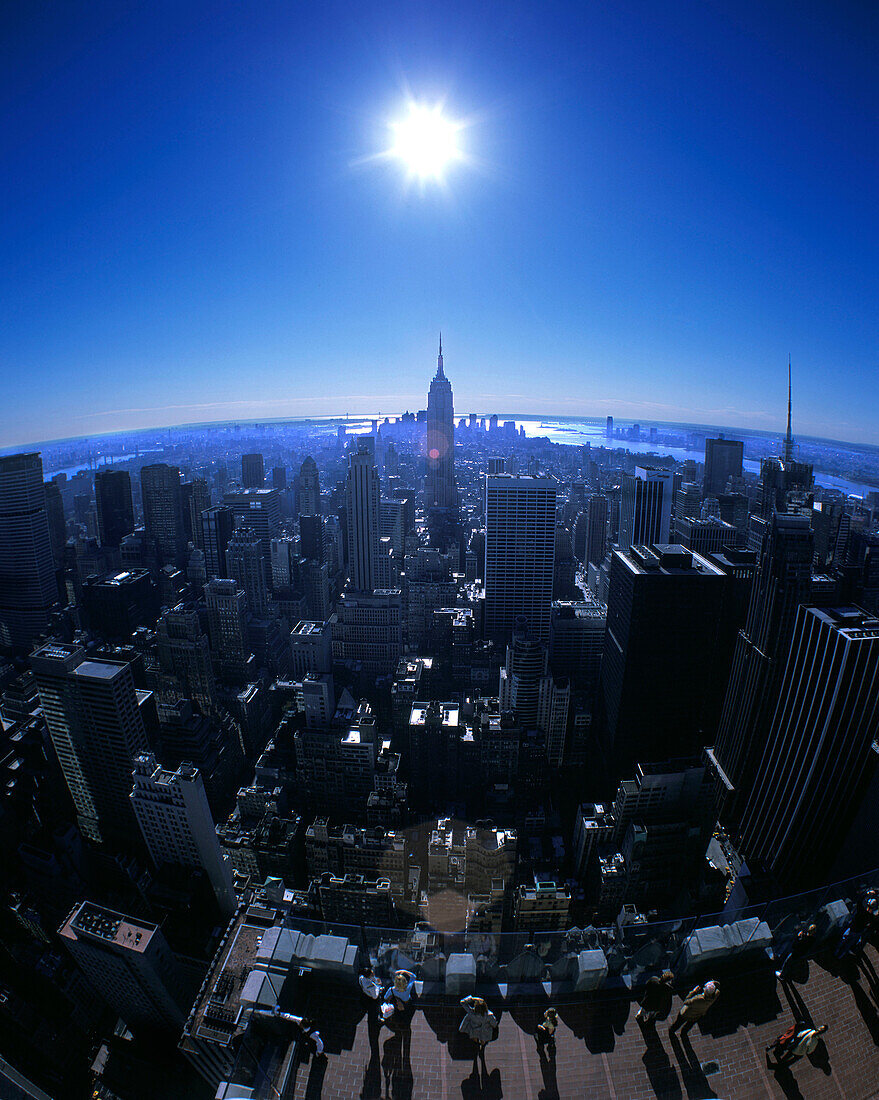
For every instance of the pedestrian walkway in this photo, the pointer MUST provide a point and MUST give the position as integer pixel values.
(603, 1052)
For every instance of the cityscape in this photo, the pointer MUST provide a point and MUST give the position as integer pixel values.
(523, 752)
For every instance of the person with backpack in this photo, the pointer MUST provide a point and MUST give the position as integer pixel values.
(799, 1040)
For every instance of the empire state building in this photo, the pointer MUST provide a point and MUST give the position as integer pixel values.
(439, 489)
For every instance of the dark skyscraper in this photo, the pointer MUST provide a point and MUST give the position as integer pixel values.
(723, 460)
(253, 471)
(782, 583)
(163, 511)
(645, 507)
(440, 490)
(309, 488)
(660, 683)
(27, 570)
(216, 530)
(819, 755)
(596, 529)
(363, 500)
(115, 510)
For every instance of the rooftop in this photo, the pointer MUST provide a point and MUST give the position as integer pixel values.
(93, 921)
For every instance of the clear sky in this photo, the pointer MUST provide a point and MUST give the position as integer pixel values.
(659, 203)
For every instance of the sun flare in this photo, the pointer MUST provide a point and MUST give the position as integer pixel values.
(425, 141)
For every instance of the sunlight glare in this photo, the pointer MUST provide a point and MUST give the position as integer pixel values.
(425, 141)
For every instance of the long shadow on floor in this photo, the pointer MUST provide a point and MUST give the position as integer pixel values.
(445, 1020)
(315, 1086)
(695, 1081)
(868, 1012)
(397, 1066)
(661, 1073)
(550, 1090)
(597, 1021)
(746, 997)
(482, 1084)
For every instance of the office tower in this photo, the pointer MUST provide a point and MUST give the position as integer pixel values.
(497, 465)
(363, 500)
(175, 819)
(260, 510)
(660, 680)
(576, 642)
(163, 511)
(527, 663)
(781, 584)
(28, 591)
(439, 488)
(609, 428)
(227, 624)
(309, 488)
(253, 471)
(311, 538)
(705, 536)
(284, 562)
(645, 507)
(115, 509)
(116, 604)
(553, 704)
(519, 554)
(311, 646)
(723, 460)
(216, 530)
(596, 530)
(819, 755)
(57, 521)
(185, 657)
(199, 501)
(245, 563)
(93, 713)
(316, 585)
(129, 963)
(279, 478)
(367, 629)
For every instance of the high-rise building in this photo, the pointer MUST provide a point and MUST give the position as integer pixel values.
(245, 563)
(185, 657)
(366, 630)
(93, 713)
(115, 509)
(28, 590)
(645, 507)
(781, 584)
(309, 488)
(175, 819)
(526, 665)
(199, 501)
(440, 490)
(226, 602)
(129, 963)
(609, 428)
(705, 536)
(57, 521)
(311, 537)
(363, 498)
(723, 460)
(596, 530)
(820, 752)
(216, 530)
(660, 680)
(253, 471)
(260, 510)
(520, 522)
(163, 511)
(116, 604)
(279, 478)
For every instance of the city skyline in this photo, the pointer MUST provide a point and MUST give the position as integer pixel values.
(193, 194)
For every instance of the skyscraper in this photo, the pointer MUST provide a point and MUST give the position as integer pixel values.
(723, 460)
(199, 502)
(216, 530)
(645, 507)
(363, 498)
(245, 563)
(27, 572)
(92, 711)
(253, 471)
(660, 684)
(520, 515)
(819, 755)
(175, 819)
(129, 963)
(309, 488)
(115, 510)
(439, 489)
(526, 665)
(227, 623)
(782, 583)
(163, 511)
(596, 530)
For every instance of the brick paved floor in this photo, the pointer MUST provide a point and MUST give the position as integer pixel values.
(603, 1052)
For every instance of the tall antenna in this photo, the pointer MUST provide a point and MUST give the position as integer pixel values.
(788, 439)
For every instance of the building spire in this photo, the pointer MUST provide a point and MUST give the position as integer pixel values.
(788, 439)
(439, 360)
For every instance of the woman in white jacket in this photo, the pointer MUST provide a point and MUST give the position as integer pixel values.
(478, 1024)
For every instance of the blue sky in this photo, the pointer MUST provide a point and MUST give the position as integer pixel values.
(659, 204)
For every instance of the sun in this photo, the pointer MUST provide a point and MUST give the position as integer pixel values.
(425, 141)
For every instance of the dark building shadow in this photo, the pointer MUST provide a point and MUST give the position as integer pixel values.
(597, 1021)
(746, 998)
(787, 1083)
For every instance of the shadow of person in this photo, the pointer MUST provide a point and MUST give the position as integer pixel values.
(661, 1073)
(798, 1006)
(471, 1087)
(867, 1010)
(787, 1082)
(550, 1090)
(491, 1085)
(695, 1081)
(371, 1088)
(315, 1086)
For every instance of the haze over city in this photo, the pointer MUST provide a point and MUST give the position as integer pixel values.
(650, 211)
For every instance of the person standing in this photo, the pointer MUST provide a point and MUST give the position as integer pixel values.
(478, 1024)
(400, 993)
(657, 998)
(697, 1002)
(798, 1041)
(371, 989)
(801, 946)
(545, 1034)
